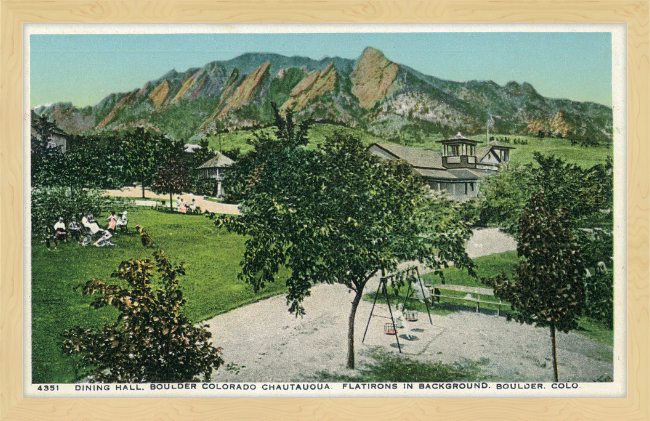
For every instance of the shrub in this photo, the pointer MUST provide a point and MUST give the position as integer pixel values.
(599, 303)
(150, 341)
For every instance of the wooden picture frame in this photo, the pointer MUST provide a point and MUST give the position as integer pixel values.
(13, 14)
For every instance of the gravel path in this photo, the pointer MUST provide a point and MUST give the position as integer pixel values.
(263, 342)
(207, 205)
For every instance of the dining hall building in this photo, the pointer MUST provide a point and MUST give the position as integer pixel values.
(458, 169)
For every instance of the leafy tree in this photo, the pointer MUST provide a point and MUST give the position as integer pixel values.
(43, 129)
(93, 161)
(201, 155)
(548, 288)
(287, 134)
(101, 159)
(597, 245)
(172, 177)
(503, 197)
(144, 151)
(234, 153)
(586, 194)
(151, 341)
(337, 215)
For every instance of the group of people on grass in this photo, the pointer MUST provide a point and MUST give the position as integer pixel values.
(182, 206)
(89, 228)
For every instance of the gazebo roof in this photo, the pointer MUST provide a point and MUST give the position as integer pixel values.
(218, 161)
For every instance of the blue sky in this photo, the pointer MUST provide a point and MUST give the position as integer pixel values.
(84, 69)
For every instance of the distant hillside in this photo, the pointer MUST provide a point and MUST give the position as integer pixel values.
(372, 93)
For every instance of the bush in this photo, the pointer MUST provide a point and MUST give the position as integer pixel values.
(150, 340)
(599, 304)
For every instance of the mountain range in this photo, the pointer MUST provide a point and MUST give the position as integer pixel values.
(372, 93)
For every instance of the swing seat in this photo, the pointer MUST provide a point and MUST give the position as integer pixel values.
(389, 329)
(411, 316)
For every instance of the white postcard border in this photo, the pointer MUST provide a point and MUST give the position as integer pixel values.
(617, 388)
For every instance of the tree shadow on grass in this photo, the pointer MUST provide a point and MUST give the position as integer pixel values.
(389, 367)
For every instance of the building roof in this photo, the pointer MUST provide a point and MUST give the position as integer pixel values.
(455, 174)
(500, 145)
(465, 174)
(218, 161)
(418, 158)
(436, 174)
(459, 138)
(481, 151)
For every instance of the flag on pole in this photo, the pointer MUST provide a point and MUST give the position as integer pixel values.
(491, 121)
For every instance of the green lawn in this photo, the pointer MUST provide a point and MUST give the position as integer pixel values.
(562, 148)
(210, 286)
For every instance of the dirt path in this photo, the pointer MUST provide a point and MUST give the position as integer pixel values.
(263, 342)
(207, 205)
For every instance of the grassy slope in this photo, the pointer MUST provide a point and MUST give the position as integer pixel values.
(317, 134)
(522, 154)
(211, 287)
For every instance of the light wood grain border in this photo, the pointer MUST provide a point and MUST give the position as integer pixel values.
(14, 13)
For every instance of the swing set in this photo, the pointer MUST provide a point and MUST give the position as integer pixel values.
(397, 280)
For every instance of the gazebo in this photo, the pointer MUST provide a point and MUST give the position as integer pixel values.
(214, 169)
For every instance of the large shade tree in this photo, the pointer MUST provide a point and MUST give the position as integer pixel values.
(548, 286)
(337, 214)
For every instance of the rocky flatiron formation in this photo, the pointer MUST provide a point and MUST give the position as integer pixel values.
(373, 93)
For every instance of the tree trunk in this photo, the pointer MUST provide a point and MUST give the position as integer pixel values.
(353, 313)
(143, 188)
(171, 208)
(554, 343)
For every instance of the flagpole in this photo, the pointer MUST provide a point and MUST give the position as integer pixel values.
(487, 128)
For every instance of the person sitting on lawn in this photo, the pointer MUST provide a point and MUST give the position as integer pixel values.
(193, 206)
(112, 221)
(60, 234)
(75, 228)
(90, 223)
(105, 239)
(94, 228)
(182, 208)
(123, 221)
